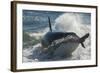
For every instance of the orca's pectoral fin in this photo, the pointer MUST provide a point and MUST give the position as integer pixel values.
(82, 39)
(82, 45)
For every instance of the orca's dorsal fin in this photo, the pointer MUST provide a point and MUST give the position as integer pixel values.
(50, 27)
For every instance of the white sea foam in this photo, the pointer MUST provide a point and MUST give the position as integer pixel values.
(68, 22)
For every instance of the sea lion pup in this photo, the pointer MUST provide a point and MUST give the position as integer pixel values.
(62, 43)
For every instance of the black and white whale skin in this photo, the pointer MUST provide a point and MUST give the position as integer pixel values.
(62, 43)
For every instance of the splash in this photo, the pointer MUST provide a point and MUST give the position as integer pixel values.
(71, 22)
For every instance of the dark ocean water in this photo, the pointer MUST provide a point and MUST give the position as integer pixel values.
(35, 21)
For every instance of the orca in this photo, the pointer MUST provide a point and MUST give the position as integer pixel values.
(62, 41)
(50, 37)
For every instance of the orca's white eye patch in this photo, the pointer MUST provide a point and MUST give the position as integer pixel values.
(59, 40)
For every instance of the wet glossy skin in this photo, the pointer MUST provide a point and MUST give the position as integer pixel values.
(52, 36)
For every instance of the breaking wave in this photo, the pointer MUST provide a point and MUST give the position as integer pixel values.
(67, 22)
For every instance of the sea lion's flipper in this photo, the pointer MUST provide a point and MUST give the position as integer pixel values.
(82, 45)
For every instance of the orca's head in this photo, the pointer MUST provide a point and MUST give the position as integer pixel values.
(50, 37)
